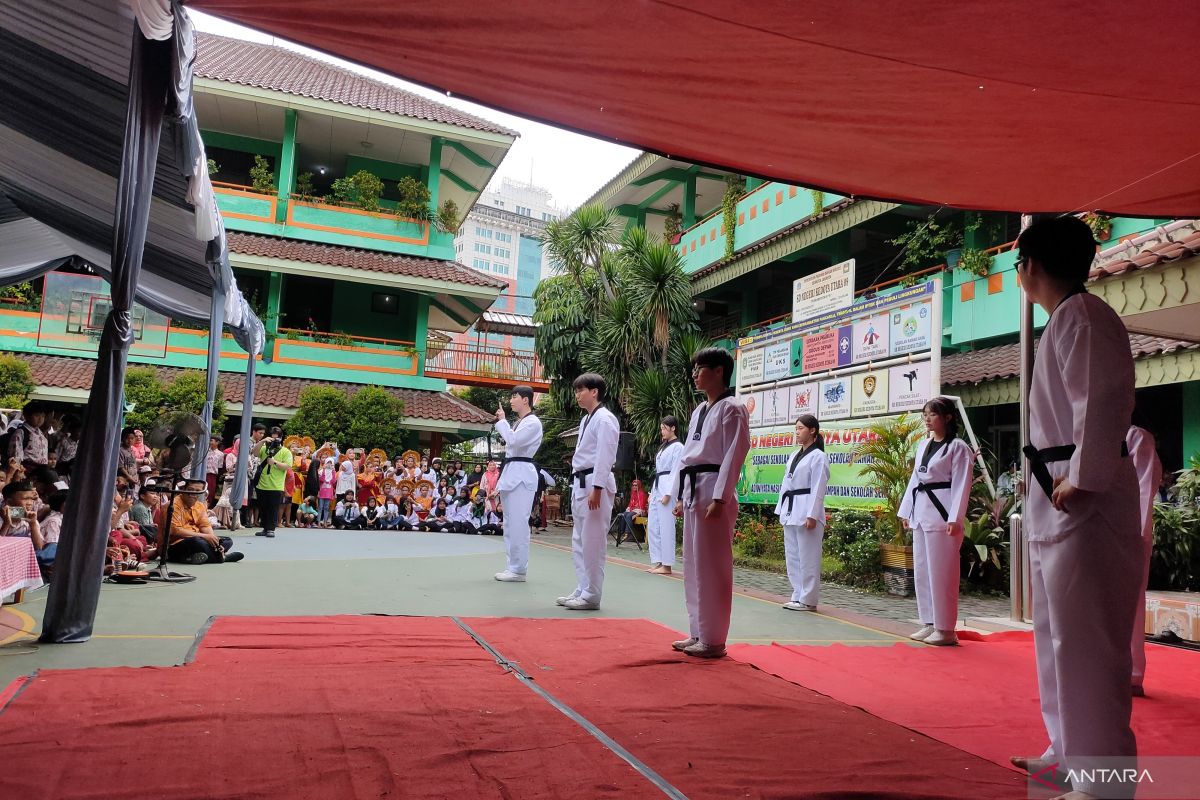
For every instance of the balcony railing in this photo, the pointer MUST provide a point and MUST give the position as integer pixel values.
(484, 365)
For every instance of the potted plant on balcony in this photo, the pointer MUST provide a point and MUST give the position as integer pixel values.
(413, 200)
(975, 261)
(304, 187)
(924, 242)
(448, 218)
(262, 179)
(1100, 224)
(886, 460)
(672, 224)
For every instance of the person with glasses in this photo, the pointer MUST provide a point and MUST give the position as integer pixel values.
(705, 488)
(1082, 515)
(801, 512)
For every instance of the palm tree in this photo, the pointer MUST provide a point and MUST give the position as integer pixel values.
(659, 286)
(886, 458)
(581, 241)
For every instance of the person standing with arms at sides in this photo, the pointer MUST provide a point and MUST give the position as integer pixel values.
(1140, 443)
(1082, 515)
(801, 511)
(594, 489)
(660, 519)
(934, 507)
(705, 488)
(518, 482)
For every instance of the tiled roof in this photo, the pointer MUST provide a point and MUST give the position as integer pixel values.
(997, 363)
(1165, 243)
(251, 244)
(77, 373)
(267, 66)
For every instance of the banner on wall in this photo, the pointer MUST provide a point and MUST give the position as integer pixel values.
(769, 451)
(827, 290)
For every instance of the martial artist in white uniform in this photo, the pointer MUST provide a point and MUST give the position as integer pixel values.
(660, 527)
(801, 511)
(706, 480)
(593, 488)
(1082, 514)
(518, 480)
(934, 507)
(1140, 443)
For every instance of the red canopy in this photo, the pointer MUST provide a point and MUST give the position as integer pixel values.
(1009, 105)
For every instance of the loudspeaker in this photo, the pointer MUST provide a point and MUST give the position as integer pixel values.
(626, 451)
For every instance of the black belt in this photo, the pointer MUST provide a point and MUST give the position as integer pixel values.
(657, 475)
(791, 494)
(688, 475)
(1038, 459)
(518, 460)
(581, 474)
(928, 488)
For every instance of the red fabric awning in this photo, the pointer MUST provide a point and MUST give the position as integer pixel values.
(1010, 105)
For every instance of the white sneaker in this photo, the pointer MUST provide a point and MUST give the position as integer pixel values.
(942, 638)
(562, 601)
(510, 577)
(579, 604)
(797, 606)
(923, 634)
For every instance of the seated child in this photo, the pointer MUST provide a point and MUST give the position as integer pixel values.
(306, 514)
(390, 518)
(437, 521)
(347, 514)
(371, 514)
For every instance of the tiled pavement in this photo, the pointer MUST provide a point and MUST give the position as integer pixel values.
(899, 609)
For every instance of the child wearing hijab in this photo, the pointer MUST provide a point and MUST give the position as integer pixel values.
(327, 478)
(347, 481)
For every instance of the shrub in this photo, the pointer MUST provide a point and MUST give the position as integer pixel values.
(262, 178)
(376, 419)
(758, 535)
(323, 415)
(1175, 563)
(852, 539)
(16, 381)
(145, 391)
(186, 395)
(413, 202)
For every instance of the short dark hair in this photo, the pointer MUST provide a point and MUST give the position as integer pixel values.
(276, 430)
(43, 474)
(714, 357)
(944, 406)
(592, 380)
(148, 488)
(670, 421)
(523, 391)
(57, 500)
(258, 426)
(33, 407)
(16, 486)
(1064, 246)
(126, 431)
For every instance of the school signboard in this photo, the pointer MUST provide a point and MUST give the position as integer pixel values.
(849, 367)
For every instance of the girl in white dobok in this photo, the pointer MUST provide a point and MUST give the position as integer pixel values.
(661, 528)
(934, 507)
(801, 511)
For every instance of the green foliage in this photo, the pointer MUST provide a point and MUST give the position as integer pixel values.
(16, 381)
(362, 190)
(413, 202)
(213, 167)
(156, 402)
(186, 394)
(376, 419)
(1175, 562)
(818, 200)
(1101, 225)
(304, 186)
(24, 296)
(735, 187)
(977, 262)
(887, 462)
(925, 243)
(143, 389)
(262, 178)
(343, 339)
(852, 539)
(757, 534)
(672, 223)
(448, 218)
(1187, 485)
(324, 415)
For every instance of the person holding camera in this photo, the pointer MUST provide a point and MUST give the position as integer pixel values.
(274, 462)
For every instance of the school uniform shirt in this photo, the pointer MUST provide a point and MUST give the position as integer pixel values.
(391, 511)
(347, 511)
(1082, 394)
(950, 462)
(805, 470)
(213, 460)
(723, 439)
(521, 440)
(666, 460)
(596, 449)
(479, 518)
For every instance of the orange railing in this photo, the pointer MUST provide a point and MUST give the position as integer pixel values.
(483, 364)
(344, 339)
(238, 187)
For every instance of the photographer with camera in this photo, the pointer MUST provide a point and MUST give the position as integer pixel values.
(274, 462)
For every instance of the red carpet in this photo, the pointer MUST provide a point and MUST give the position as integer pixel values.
(980, 697)
(399, 707)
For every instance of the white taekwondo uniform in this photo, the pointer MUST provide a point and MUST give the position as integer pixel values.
(709, 467)
(517, 485)
(936, 495)
(660, 527)
(592, 465)
(1149, 471)
(801, 496)
(1085, 586)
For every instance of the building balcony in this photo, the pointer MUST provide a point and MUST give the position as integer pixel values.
(763, 212)
(484, 365)
(245, 209)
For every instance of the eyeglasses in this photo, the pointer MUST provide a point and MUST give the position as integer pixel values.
(1022, 261)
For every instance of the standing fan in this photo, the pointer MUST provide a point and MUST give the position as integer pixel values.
(178, 434)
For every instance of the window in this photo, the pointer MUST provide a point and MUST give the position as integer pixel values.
(547, 217)
(501, 269)
(385, 303)
(503, 237)
(502, 252)
(483, 233)
(481, 265)
(524, 211)
(486, 249)
(499, 204)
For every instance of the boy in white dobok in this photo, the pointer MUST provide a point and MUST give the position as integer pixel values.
(1082, 515)
(518, 480)
(801, 511)
(706, 491)
(660, 528)
(593, 488)
(1140, 443)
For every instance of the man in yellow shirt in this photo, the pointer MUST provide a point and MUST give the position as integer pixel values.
(192, 537)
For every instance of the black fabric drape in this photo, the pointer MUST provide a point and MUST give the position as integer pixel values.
(237, 493)
(75, 590)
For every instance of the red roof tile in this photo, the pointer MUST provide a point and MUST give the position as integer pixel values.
(76, 373)
(335, 256)
(280, 69)
(997, 363)
(1165, 243)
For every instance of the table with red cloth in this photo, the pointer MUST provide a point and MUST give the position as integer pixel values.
(18, 565)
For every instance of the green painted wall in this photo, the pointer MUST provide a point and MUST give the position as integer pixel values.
(232, 141)
(1191, 420)
(384, 169)
(352, 312)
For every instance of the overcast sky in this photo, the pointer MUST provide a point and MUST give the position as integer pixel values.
(571, 166)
